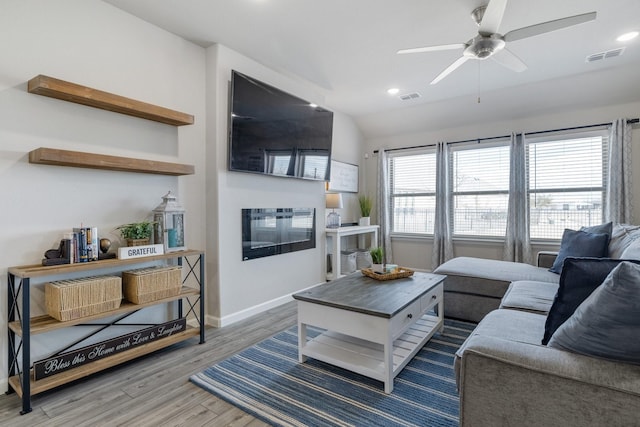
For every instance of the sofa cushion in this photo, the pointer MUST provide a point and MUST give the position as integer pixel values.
(529, 295)
(622, 236)
(578, 243)
(580, 277)
(501, 271)
(606, 324)
(511, 325)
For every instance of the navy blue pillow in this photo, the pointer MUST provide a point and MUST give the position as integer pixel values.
(579, 278)
(578, 243)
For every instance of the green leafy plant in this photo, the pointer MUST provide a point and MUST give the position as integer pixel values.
(376, 254)
(365, 205)
(137, 230)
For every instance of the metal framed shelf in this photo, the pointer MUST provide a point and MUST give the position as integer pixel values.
(21, 326)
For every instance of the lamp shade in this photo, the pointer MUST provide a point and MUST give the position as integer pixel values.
(333, 200)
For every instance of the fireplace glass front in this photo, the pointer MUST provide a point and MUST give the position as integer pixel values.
(275, 231)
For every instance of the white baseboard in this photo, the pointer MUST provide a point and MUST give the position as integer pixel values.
(4, 385)
(218, 322)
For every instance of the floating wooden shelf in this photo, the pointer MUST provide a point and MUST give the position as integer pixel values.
(78, 159)
(72, 92)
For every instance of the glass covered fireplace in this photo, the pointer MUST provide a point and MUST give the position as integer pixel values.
(274, 231)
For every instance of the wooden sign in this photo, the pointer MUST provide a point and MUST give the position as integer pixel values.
(140, 251)
(73, 359)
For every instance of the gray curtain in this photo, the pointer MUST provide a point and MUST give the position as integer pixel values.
(618, 203)
(442, 242)
(382, 205)
(517, 245)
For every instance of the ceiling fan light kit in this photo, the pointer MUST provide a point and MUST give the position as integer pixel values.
(488, 43)
(482, 47)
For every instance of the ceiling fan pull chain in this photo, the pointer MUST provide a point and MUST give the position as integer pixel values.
(478, 62)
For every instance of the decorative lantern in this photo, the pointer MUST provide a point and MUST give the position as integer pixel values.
(169, 224)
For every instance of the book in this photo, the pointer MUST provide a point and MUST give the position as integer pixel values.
(92, 241)
(87, 247)
(82, 249)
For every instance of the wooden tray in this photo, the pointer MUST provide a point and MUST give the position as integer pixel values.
(400, 273)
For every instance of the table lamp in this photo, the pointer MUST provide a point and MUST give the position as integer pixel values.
(333, 201)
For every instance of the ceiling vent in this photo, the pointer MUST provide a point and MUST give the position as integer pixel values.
(408, 96)
(605, 55)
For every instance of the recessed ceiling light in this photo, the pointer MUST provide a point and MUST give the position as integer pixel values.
(393, 91)
(628, 36)
(313, 105)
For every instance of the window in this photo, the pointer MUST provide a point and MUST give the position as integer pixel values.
(567, 177)
(566, 186)
(480, 185)
(412, 181)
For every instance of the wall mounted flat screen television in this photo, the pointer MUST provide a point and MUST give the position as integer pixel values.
(272, 132)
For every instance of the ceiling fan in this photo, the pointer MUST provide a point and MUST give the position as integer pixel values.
(490, 44)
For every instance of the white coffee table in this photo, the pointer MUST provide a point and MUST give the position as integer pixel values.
(370, 327)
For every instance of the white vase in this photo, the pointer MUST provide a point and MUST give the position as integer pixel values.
(378, 268)
(365, 220)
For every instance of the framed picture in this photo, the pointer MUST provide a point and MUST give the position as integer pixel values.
(344, 177)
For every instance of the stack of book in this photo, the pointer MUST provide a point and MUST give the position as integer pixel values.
(82, 244)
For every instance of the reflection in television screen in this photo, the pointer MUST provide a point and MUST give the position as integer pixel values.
(275, 133)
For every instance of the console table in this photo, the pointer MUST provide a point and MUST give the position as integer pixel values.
(21, 326)
(336, 234)
(371, 327)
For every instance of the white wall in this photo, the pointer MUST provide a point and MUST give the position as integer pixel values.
(94, 44)
(241, 288)
(416, 252)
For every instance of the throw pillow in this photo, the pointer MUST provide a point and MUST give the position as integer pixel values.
(606, 324)
(606, 228)
(580, 244)
(579, 278)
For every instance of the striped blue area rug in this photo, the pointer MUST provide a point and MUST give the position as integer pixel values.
(267, 381)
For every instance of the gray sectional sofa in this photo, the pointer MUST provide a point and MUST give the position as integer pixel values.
(506, 376)
(476, 286)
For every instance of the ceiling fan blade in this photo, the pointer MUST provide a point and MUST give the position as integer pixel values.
(545, 27)
(508, 59)
(450, 69)
(433, 48)
(492, 17)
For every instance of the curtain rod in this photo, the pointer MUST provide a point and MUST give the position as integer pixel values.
(478, 140)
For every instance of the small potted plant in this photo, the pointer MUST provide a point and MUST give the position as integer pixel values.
(377, 256)
(365, 210)
(137, 233)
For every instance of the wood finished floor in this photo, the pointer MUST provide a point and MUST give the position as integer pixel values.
(153, 390)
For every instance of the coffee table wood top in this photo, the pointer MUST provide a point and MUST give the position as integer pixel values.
(363, 294)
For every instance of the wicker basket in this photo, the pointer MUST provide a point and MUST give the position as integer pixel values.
(145, 285)
(398, 274)
(76, 298)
